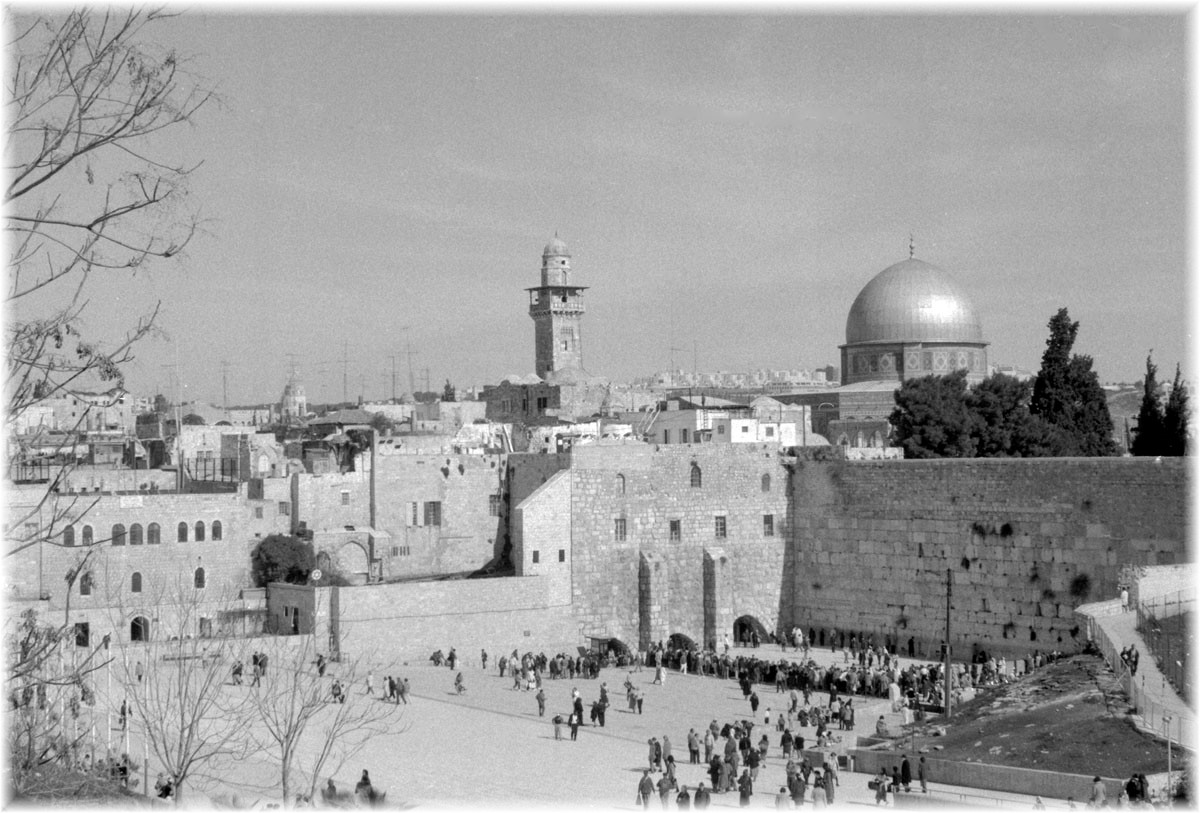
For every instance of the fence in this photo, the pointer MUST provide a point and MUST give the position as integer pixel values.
(1157, 716)
(1162, 622)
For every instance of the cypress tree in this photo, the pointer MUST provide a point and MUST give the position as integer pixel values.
(1175, 418)
(1067, 396)
(1149, 438)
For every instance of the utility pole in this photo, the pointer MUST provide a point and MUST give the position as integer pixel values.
(695, 357)
(225, 387)
(949, 581)
(427, 380)
(345, 367)
(393, 378)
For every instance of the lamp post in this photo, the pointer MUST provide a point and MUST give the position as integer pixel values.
(1167, 721)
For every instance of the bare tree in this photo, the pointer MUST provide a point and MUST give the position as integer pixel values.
(303, 727)
(194, 723)
(45, 691)
(85, 96)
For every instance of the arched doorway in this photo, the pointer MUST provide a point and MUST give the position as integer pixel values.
(139, 629)
(680, 641)
(749, 631)
(352, 562)
(613, 649)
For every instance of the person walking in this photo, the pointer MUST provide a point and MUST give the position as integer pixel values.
(905, 774)
(683, 801)
(693, 744)
(645, 788)
(665, 786)
(921, 775)
(702, 798)
(1124, 599)
(370, 682)
(745, 789)
(558, 720)
(541, 701)
(574, 722)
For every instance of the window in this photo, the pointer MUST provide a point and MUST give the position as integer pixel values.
(745, 429)
(416, 514)
(620, 483)
(135, 534)
(153, 534)
(720, 429)
(433, 513)
(118, 534)
(697, 478)
(87, 535)
(768, 524)
(395, 550)
(135, 583)
(216, 529)
(199, 531)
(69, 536)
(535, 557)
(770, 431)
(542, 403)
(199, 579)
(205, 627)
(562, 555)
(494, 505)
(85, 584)
(82, 634)
(676, 534)
(285, 509)
(183, 532)
(719, 527)
(683, 435)
(258, 512)
(345, 498)
(766, 483)
(619, 529)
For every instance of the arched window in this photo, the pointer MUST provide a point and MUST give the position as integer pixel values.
(766, 483)
(620, 483)
(199, 578)
(135, 583)
(139, 629)
(69, 536)
(183, 532)
(216, 530)
(118, 534)
(153, 534)
(87, 535)
(697, 480)
(199, 531)
(135, 534)
(85, 584)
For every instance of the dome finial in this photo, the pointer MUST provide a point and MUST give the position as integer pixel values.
(911, 248)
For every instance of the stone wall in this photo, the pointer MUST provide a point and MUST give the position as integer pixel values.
(408, 621)
(1025, 541)
(648, 487)
(1149, 582)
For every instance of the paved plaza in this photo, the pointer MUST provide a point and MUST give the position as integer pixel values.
(490, 748)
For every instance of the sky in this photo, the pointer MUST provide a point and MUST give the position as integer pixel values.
(381, 181)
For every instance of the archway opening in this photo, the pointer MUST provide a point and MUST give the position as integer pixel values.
(749, 631)
(613, 651)
(139, 629)
(680, 641)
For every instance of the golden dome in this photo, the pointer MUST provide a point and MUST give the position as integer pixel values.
(913, 301)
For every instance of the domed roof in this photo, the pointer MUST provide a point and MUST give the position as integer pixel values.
(556, 248)
(913, 301)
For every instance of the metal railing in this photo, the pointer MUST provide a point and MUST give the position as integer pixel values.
(1162, 623)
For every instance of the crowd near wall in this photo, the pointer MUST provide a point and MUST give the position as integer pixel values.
(1025, 541)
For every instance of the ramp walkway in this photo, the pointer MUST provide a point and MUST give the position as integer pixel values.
(1160, 709)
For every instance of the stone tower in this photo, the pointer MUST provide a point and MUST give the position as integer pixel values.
(294, 403)
(557, 310)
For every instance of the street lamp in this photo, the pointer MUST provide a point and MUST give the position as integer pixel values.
(1167, 720)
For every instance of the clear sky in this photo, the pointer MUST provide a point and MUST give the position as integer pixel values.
(727, 182)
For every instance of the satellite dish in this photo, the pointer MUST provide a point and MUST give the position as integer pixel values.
(315, 575)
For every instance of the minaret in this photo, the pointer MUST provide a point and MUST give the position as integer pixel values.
(557, 310)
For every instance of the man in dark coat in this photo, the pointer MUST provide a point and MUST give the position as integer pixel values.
(702, 798)
(906, 774)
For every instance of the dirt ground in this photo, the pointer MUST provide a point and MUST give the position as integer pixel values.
(1070, 716)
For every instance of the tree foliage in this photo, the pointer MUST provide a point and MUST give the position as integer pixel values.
(1001, 422)
(1162, 428)
(1068, 397)
(281, 558)
(931, 417)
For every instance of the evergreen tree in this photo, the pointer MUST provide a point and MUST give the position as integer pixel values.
(1149, 437)
(931, 418)
(1001, 423)
(1175, 418)
(1067, 396)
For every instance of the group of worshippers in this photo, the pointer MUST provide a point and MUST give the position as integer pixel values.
(527, 669)
(901, 777)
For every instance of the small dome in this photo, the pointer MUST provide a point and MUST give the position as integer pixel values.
(556, 248)
(913, 301)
